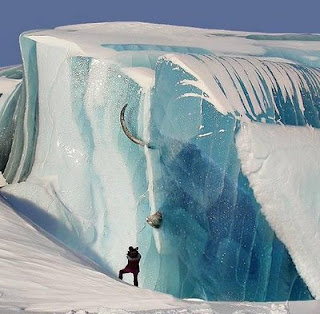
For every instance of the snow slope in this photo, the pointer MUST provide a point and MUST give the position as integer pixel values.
(40, 275)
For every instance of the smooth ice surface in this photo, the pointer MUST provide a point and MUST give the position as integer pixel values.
(282, 165)
(72, 170)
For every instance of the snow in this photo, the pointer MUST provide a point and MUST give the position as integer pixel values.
(7, 87)
(90, 37)
(282, 165)
(40, 275)
(143, 76)
(3, 181)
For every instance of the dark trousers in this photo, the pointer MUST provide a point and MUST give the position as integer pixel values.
(135, 275)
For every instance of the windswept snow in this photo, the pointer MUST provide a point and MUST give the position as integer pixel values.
(38, 274)
(282, 165)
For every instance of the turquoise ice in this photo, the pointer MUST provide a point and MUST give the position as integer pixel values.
(206, 101)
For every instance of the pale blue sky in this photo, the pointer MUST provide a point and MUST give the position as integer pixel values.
(17, 16)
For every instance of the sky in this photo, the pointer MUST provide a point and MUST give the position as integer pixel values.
(17, 16)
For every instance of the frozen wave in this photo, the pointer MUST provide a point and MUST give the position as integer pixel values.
(72, 170)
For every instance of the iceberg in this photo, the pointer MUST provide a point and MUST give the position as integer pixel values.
(225, 149)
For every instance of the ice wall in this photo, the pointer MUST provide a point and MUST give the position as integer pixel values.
(200, 104)
(11, 108)
(84, 181)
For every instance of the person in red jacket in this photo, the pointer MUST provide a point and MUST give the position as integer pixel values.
(133, 257)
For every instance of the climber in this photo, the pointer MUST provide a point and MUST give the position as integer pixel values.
(133, 257)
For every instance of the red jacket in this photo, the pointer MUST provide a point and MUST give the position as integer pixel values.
(133, 262)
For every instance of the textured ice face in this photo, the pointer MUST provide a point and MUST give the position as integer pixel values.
(200, 104)
(85, 182)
